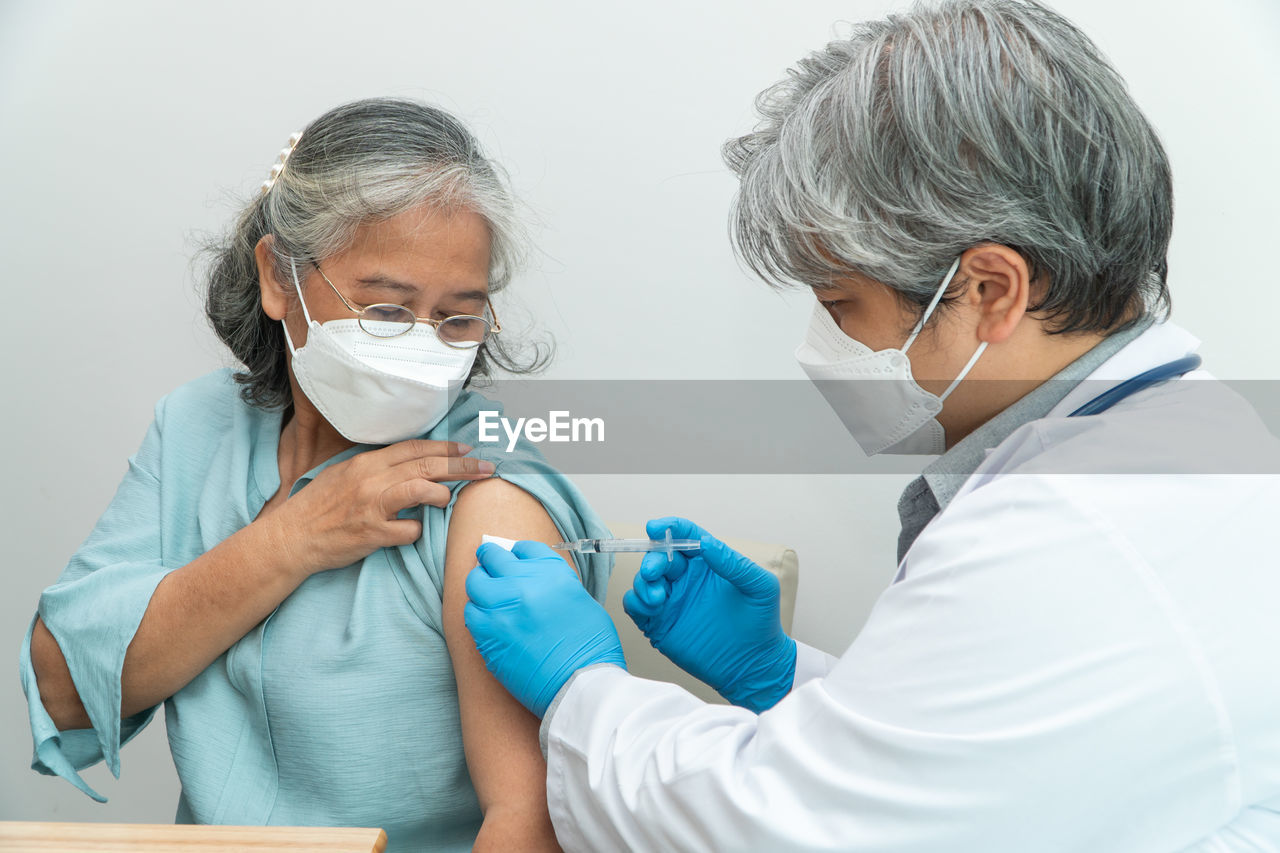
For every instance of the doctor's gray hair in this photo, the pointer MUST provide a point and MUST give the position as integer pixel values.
(361, 162)
(891, 152)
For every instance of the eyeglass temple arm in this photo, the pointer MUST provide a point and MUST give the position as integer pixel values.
(334, 288)
(496, 326)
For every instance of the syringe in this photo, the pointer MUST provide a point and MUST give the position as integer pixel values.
(667, 546)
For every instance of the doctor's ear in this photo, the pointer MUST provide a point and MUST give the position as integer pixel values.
(999, 288)
(276, 295)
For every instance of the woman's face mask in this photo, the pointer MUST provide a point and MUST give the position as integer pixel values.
(873, 392)
(377, 390)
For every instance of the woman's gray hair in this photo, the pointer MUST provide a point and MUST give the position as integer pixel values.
(891, 152)
(361, 162)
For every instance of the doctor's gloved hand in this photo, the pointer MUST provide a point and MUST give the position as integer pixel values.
(715, 614)
(534, 623)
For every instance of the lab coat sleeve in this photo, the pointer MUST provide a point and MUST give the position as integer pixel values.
(1027, 686)
(93, 611)
(811, 663)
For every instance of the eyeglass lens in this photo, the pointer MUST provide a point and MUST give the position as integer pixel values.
(388, 321)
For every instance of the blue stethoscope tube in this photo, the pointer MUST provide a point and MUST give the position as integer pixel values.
(1143, 380)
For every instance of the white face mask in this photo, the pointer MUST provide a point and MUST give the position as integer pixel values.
(377, 390)
(892, 414)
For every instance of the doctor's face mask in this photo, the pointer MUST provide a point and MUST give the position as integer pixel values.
(873, 392)
(377, 390)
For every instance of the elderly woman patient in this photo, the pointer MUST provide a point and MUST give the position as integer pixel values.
(282, 565)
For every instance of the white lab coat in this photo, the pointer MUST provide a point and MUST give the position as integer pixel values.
(1078, 655)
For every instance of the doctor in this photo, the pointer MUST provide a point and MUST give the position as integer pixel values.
(1078, 650)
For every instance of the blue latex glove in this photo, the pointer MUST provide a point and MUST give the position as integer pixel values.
(716, 615)
(534, 623)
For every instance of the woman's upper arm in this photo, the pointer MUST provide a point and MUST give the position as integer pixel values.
(499, 735)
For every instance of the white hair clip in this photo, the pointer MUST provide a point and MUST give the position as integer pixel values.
(278, 168)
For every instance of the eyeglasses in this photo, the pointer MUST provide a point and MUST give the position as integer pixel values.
(388, 320)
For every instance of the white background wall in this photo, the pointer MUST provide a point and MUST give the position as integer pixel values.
(128, 130)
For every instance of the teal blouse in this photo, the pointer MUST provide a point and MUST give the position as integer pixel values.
(340, 708)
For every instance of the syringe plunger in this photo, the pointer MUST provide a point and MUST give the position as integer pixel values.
(666, 545)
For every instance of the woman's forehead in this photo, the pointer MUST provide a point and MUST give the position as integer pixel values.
(421, 248)
(456, 229)
(389, 283)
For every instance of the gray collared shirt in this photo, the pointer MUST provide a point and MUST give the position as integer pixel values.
(929, 494)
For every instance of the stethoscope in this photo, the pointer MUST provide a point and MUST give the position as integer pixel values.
(1143, 380)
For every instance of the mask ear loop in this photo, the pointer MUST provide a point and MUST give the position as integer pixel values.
(297, 286)
(963, 373)
(933, 303)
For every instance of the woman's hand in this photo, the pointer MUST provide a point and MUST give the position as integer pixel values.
(351, 509)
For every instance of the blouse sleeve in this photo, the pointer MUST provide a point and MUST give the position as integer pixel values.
(93, 612)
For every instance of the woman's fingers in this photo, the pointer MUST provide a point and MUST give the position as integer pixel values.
(352, 508)
(401, 451)
(417, 480)
(415, 492)
(442, 468)
(403, 531)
